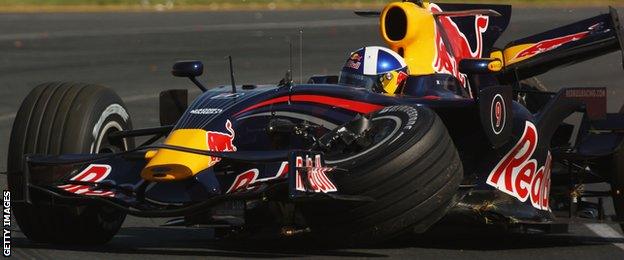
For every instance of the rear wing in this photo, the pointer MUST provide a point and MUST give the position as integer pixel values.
(559, 47)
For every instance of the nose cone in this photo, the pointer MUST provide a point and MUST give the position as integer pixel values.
(171, 165)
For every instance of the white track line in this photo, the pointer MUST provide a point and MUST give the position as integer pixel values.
(606, 231)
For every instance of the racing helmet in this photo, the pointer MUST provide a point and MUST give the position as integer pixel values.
(378, 69)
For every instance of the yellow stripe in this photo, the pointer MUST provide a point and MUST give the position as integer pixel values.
(512, 52)
(495, 66)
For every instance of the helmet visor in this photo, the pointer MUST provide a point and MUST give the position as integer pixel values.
(370, 82)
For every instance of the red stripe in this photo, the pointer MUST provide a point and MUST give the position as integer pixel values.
(431, 97)
(357, 106)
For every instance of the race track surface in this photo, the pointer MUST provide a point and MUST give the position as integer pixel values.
(133, 53)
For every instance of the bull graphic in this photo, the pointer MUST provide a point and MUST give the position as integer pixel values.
(221, 142)
(448, 57)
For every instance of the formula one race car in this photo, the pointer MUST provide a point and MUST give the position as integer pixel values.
(462, 136)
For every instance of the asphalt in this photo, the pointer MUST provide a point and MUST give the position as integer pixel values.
(133, 52)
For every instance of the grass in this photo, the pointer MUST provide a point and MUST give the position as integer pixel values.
(163, 5)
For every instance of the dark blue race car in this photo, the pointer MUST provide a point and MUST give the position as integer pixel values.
(439, 124)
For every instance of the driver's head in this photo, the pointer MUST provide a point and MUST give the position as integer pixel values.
(376, 68)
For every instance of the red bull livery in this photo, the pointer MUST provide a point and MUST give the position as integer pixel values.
(437, 127)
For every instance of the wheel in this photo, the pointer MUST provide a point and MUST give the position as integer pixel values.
(617, 183)
(58, 118)
(406, 161)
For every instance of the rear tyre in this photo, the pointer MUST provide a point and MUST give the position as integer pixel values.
(410, 167)
(60, 118)
(617, 183)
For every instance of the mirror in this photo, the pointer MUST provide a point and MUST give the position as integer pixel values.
(187, 69)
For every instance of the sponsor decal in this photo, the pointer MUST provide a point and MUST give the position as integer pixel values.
(518, 175)
(448, 57)
(401, 78)
(206, 111)
(6, 223)
(221, 142)
(498, 114)
(243, 180)
(595, 100)
(586, 93)
(550, 44)
(316, 176)
(410, 111)
(355, 61)
(94, 173)
(356, 57)
(228, 95)
(298, 179)
(250, 178)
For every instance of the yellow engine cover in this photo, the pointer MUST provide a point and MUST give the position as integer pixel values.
(410, 30)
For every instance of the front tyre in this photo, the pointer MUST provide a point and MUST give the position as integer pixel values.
(406, 161)
(61, 118)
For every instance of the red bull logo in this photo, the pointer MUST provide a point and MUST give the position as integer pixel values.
(221, 142)
(448, 57)
(550, 44)
(356, 57)
(355, 61)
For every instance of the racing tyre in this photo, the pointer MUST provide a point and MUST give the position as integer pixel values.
(59, 118)
(409, 166)
(617, 183)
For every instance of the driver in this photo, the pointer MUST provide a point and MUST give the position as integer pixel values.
(375, 68)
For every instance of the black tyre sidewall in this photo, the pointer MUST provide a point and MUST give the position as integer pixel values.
(414, 124)
(66, 126)
(413, 180)
(404, 114)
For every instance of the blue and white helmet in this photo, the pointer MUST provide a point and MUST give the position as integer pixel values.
(376, 68)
